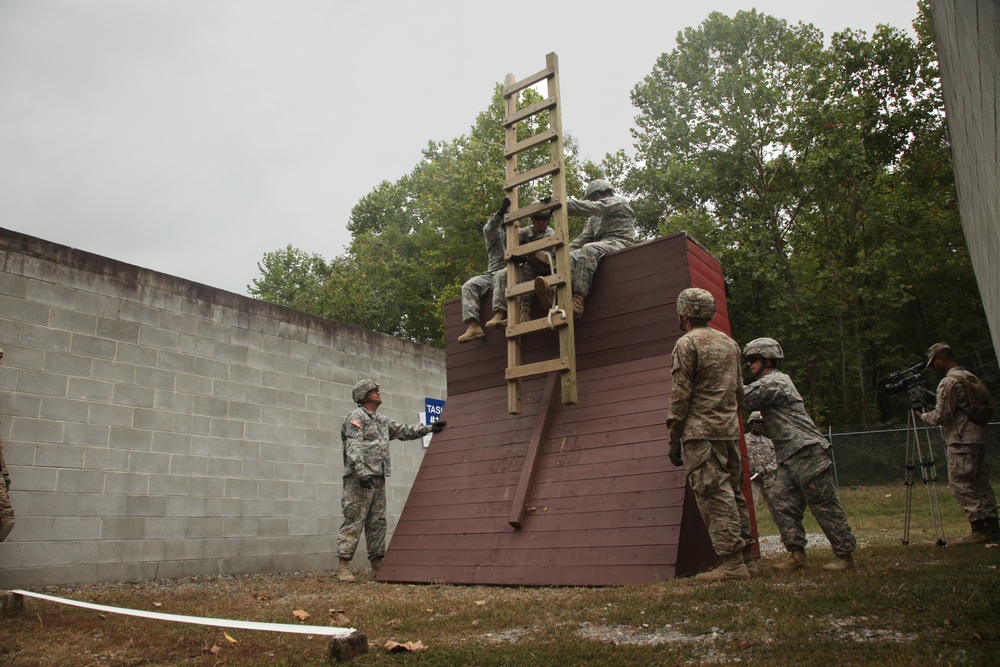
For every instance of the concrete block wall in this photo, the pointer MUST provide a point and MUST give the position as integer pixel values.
(156, 427)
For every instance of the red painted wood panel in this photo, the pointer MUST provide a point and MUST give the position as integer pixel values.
(606, 506)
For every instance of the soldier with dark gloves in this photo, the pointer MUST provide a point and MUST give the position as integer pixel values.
(964, 407)
(805, 469)
(531, 267)
(703, 423)
(365, 436)
(475, 287)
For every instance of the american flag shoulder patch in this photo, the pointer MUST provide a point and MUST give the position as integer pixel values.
(356, 423)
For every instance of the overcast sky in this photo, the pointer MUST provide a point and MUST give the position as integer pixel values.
(192, 136)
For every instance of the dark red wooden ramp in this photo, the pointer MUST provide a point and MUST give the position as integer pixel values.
(604, 506)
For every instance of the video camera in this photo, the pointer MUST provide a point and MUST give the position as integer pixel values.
(904, 380)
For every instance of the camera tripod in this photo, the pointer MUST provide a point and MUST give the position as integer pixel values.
(922, 454)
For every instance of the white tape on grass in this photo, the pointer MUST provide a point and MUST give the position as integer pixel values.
(199, 620)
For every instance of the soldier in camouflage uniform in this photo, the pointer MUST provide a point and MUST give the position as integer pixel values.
(968, 471)
(365, 436)
(533, 266)
(805, 474)
(475, 287)
(6, 509)
(763, 468)
(610, 227)
(703, 423)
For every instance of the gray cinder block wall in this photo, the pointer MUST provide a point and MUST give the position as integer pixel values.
(156, 427)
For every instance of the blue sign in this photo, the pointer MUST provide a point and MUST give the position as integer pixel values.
(432, 409)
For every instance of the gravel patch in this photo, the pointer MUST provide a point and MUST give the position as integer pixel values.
(770, 545)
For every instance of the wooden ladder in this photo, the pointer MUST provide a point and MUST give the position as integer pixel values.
(561, 316)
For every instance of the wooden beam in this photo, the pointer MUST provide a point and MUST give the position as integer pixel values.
(529, 111)
(531, 209)
(546, 169)
(538, 368)
(511, 87)
(541, 324)
(530, 142)
(520, 505)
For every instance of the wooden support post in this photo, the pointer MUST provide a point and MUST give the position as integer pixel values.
(538, 436)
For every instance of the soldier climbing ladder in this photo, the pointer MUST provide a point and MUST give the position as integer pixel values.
(559, 316)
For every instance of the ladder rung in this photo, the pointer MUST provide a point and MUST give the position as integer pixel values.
(538, 368)
(559, 320)
(529, 111)
(531, 209)
(530, 142)
(553, 241)
(553, 280)
(528, 82)
(528, 176)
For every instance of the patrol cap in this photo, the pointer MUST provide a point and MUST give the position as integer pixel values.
(934, 350)
(755, 416)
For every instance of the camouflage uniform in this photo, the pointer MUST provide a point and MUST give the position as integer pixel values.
(529, 270)
(805, 474)
(611, 227)
(704, 406)
(365, 436)
(763, 468)
(968, 472)
(475, 287)
(6, 509)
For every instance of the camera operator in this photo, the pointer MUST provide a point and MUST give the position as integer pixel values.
(963, 415)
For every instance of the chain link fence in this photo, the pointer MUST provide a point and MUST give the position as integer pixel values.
(878, 457)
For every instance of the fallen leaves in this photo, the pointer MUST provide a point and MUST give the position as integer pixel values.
(300, 614)
(408, 647)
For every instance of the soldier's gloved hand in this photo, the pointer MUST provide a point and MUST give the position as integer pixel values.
(437, 426)
(504, 207)
(675, 454)
(545, 200)
(365, 482)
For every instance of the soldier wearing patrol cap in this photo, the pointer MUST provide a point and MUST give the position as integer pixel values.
(365, 436)
(703, 424)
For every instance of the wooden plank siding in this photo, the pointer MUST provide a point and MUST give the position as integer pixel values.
(605, 506)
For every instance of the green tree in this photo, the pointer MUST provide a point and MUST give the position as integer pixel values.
(290, 277)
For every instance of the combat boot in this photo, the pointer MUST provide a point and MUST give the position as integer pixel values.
(376, 564)
(796, 561)
(749, 561)
(732, 569)
(577, 305)
(980, 534)
(472, 333)
(840, 563)
(992, 530)
(499, 320)
(344, 572)
(542, 292)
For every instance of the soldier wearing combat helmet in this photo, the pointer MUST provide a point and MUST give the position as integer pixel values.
(365, 436)
(703, 425)
(805, 475)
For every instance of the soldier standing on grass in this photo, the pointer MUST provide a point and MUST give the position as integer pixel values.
(763, 468)
(805, 471)
(365, 436)
(6, 509)
(703, 422)
(964, 407)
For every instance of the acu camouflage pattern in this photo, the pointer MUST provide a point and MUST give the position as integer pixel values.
(704, 416)
(475, 287)
(760, 455)
(610, 227)
(968, 471)
(804, 476)
(365, 437)
(529, 270)
(6, 508)
(786, 421)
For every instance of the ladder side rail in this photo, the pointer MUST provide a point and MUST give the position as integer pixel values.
(513, 271)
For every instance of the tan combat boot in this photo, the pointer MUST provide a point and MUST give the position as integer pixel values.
(749, 561)
(499, 320)
(344, 572)
(796, 561)
(577, 305)
(376, 564)
(542, 292)
(472, 333)
(979, 535)
(840, 563)
(732, 569)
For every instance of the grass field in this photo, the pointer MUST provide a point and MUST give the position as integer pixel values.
(914, 605)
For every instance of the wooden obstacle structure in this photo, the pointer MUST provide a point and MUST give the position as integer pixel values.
(573, 495)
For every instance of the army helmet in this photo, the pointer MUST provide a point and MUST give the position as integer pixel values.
(696, 303)
(767, 348)
(755, 416)
(597, 185)
(362, 389)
